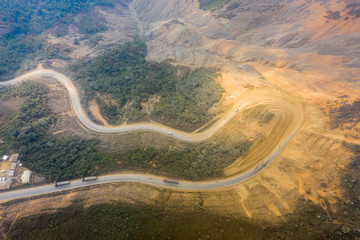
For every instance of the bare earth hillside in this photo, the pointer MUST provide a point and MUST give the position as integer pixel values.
(306, 52)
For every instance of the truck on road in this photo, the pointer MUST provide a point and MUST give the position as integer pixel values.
(88, 178)
(57, 184)
(171, 181)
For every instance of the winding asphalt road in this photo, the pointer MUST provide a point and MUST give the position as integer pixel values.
(140, 178)
(146, 126)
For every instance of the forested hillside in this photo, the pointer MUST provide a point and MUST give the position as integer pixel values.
(124, 74)
(27, 131)
(22, 22)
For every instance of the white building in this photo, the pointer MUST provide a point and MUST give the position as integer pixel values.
(25, 177)
(11, 173)
(13, 166)
(5, 157)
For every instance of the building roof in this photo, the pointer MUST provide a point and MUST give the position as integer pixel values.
(11, 173)
(25, 177)
(14, 157)
(5, 157)
(13, 166)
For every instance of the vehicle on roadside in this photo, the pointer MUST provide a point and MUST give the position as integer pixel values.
(58, 184)
(236, 110)
(88, 178)
(171, 133)
(170, 181)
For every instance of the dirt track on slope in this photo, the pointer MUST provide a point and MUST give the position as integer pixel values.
(287, 117)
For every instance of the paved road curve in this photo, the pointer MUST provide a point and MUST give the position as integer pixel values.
(85, 120)
(147, 179)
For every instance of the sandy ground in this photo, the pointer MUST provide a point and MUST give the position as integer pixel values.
(95, 111)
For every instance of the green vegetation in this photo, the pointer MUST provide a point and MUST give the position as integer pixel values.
(193, 162)
(52, 51)
(91, 23)
(333, 15)
(352, 173)
(170, 219)
(61, 159)
(345, 114)
(32, 119)
(26, 131)
(227, 15)
(353, 10)
(26, 20)
(35, 16)
(186, 107)
(122, 221)
(73, 157)
(267, 118)
(125, 75)
(211, 4)
(232, 7)
(14, 51)
(93, 41)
